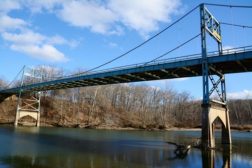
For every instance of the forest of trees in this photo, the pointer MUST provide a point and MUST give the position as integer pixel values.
(123, 105)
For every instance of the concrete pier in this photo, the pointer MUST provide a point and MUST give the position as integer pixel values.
(28, 107)
(211, 112)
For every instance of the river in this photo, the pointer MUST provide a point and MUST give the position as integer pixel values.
(26, 147)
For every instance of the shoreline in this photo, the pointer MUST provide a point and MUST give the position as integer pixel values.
(246, 128)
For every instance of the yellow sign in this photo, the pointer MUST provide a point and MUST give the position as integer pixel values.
(216, 35)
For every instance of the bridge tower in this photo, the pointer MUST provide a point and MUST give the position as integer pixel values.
(212, 109)
(29, 103)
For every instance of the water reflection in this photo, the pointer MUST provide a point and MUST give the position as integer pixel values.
(209, 157)
(20, 162)
(30, 130)
(208, 161)
(66, 148)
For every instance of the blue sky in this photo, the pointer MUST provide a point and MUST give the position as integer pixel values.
(79, 35)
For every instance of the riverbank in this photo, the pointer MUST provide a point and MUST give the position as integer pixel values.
(246, 128)
(62, 113)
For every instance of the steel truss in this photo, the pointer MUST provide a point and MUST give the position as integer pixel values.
(28, 103)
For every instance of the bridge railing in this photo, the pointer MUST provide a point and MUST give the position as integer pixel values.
(156, 62)
(141, 65)
(169, 60)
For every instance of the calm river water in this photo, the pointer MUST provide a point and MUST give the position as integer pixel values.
(78, 148)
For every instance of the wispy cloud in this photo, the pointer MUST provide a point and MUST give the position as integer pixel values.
(20, 37)
(109, 17)
(27, 37)
(37, 45)
(89, 14)
(7, 5)
(179, 79)
(9, 23)
(228, 49)
(43, 52)
(112, 44)
(59, 40)
(144, 16)
(39, 6)
(245, 94)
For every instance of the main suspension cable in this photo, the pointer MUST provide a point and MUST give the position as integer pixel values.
(146, 41)
(236, 25)
(229, 6)
(168, 52)
(22, 69)
(153, 60)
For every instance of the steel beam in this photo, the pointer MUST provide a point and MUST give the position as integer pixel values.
(136, 77)
(191, 71)
(98, 81)
(151, 75)
(121, 78)
(170, 73)
(241, 64)
(110, 80)
(217, 72)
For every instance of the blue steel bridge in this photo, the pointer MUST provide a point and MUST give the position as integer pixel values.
(211, 66)
(234, 60)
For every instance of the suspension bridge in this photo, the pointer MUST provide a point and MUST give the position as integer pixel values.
(212, 66)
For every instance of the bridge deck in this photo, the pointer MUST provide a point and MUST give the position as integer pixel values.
(239, 61)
